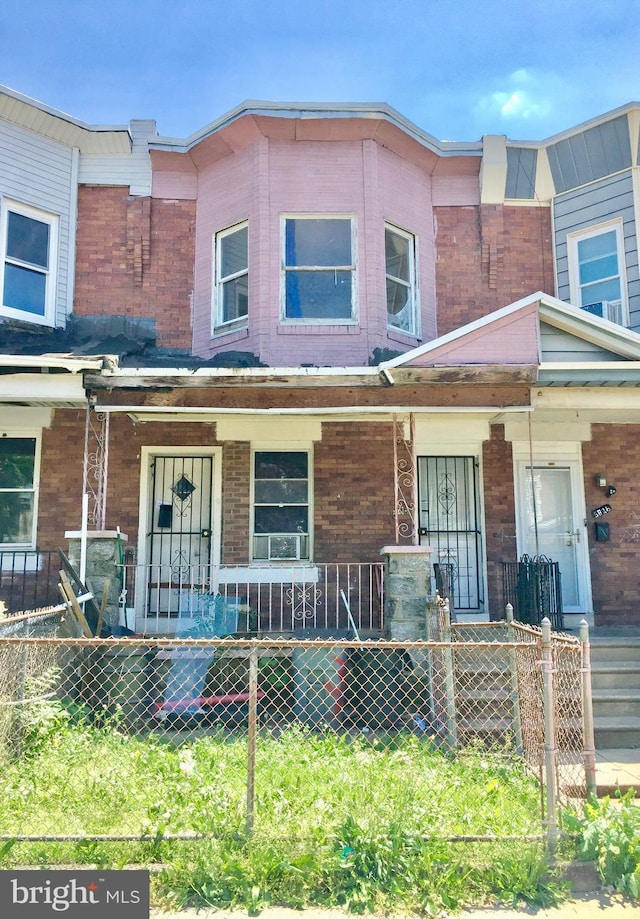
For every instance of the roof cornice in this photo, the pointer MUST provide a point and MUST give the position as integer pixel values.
(320, 110)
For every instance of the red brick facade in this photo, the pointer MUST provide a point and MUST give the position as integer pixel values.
(135, 258)
(487, 257)
(500, 514)
(613, 452)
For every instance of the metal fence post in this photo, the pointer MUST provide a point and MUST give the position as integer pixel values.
(589, 753)
(450, 680)
(513, 683)
(550, 751)
(252, 731)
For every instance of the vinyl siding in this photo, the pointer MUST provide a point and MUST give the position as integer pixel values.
(41, 172)
(556, 345)
(586, 207)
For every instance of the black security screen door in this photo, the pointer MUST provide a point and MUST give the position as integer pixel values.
(179, 539)
(450, 523)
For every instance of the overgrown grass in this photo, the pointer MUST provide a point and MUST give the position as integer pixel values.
(358, 823)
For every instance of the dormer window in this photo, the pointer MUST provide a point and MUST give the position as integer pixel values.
(402, 299)
(319, 269)
(28, 262)
(231, 287)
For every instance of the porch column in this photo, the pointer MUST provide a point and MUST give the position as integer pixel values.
(103, 559)
(407, 588)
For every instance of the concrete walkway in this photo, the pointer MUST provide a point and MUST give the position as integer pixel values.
(618, 769)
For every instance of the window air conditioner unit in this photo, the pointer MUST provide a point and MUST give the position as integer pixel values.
(281, 547)
(606, 309)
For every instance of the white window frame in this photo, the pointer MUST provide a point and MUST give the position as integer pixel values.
(353, 268)
(50, 273)
(219, 323)
(412, 286)
(282, 448)
(573, 239)
(27, 433)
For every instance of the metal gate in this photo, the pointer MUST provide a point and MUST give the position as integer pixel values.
(450, 523)
(179, 539)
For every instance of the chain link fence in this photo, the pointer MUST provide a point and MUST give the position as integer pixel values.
(104, 712)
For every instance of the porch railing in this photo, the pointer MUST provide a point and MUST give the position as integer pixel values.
(29, 580)
(259, 598)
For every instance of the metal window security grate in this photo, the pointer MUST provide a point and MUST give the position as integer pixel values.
(450, 522)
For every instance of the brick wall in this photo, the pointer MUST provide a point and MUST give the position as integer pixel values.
(236, 502)
(135, 258)
(60, 498)
(354, 498)
(488, 256)
(613, 451)
(500, 514)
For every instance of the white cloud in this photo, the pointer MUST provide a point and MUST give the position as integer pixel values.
(525, 96)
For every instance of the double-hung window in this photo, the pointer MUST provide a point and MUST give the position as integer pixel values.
(597, 264)
(29, 239)
(400, 266)
(280, 505)
(231, 287)
(18, 461)
(319, 269)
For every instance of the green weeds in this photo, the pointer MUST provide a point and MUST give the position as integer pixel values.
(609, 834)
(349, 822)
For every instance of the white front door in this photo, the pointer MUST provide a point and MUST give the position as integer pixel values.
(551, 523)
(179, 539)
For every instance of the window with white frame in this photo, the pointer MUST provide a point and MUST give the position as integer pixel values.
(29, 243)
(319, 269)
(18, 491)
(400, 267)
(231, 285)
(280, 505)
(596, 259)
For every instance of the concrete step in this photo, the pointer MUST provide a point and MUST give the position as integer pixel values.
(616, 702)
(604, 650)
(617, 733)
(614, 674)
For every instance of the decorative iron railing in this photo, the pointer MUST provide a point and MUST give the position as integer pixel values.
(29, 580)
(533, 587)
(265, 598)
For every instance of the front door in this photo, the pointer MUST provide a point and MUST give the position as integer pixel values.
(179, 532)
(449, 521)
(551, 522)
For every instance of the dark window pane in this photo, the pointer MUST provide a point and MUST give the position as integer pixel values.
(233, 252)
(28, 240)
(17, 460)
(281, 465)
(235, 299)
(281, 520)
(24, 289)
(323, 241)
(16, 517)
(318, 295)
(281, 491)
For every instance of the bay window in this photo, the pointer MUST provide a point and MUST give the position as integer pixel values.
(319, 269)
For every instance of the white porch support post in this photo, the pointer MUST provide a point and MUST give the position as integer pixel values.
(102, 565)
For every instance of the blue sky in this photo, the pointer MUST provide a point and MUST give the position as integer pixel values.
(457, 68)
